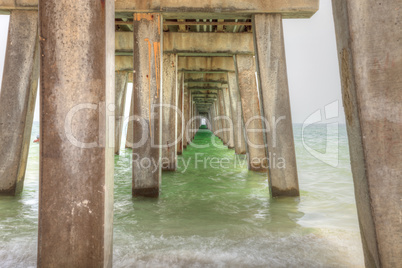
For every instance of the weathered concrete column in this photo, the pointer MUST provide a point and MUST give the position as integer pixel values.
(223, 119)
(189, 115)
(76, 137)
(186, 107)
(130, 126)
(217, 120)
(147, 93)
(214, 122)
(195, 120)
(369, 40)
(211, 118)
(192, 112)
(193, 115)
(17, 99)
(235, 105)
(228, 113)
(197, 114)
(120, 101)
(169, 113)
(273, 85)
(180, 114)
(247, 83)
(198, 120)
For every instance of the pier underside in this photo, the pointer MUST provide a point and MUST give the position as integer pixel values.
(218, 63)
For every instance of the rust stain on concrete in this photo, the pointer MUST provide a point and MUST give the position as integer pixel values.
(157, 48)
(143, 16)
(149, 83)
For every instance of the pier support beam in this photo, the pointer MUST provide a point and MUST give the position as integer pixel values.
(274, 92)
(17, 99)
(235, 105)
(130, 125)
(223, 119)
(228, 113)
(214, 120)
(189, 115)
(217, 120)
(193, 120)
(120, 100)
(147, 93)
(369, 40)
(76, 156)
(186, 105)
(169, 113)
(212, 115)
(247, 83)
(180, 114)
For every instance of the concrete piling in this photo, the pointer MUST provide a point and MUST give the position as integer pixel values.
(235, 105)
(76, 133)
(180, 112)
(193, 119)
(120, 101)
(169, 112)
(228, 113)
(257, 158)
(186, 105)
(147, 91)
(217, 119)
(130, 126)
(212, 119)
(369, 39)
(222, 118)
(274, 92)
(189, 117)
(17, 99)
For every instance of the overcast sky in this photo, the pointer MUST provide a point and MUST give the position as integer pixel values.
(311, 60)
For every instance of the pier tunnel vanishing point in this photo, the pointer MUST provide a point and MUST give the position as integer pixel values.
(217, 62)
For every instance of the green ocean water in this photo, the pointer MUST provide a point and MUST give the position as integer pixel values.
(215, 217)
